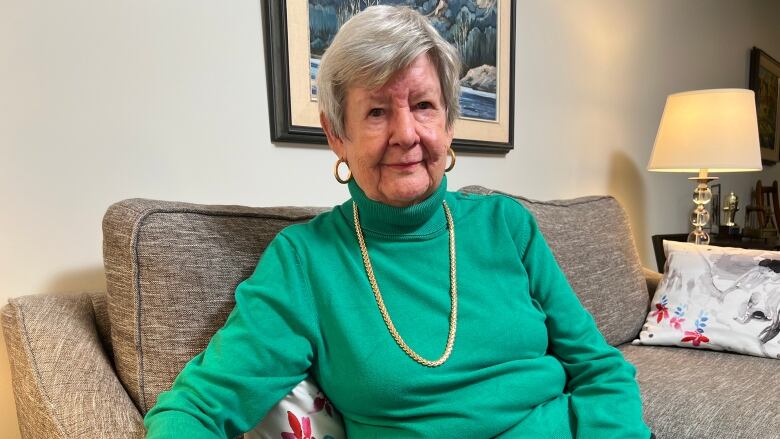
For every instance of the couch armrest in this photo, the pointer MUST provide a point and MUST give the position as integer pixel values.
(653, 278)
(63, 380)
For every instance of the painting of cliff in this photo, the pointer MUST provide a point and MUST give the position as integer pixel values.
(469, 25)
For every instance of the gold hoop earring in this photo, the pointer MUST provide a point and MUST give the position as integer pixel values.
(452, 163)
(336, 172)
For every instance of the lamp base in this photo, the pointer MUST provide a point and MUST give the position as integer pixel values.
(700, 215)
(699, 237)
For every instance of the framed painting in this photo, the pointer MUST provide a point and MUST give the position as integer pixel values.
(765, 82)
(298, 32)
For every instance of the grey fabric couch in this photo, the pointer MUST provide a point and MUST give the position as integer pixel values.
(91, 365)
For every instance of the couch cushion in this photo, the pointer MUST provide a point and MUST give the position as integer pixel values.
(171, 270)
(64, 383)
(592, 242)
(689, 393)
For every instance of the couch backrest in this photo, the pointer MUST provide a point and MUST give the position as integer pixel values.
(171, 270)
(592, 241)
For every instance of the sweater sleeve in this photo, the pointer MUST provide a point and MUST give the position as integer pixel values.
(264, 350)
(605, 396)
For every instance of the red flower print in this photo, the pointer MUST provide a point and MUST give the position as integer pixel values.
(676, 322)
(321, 402)
(695, 337)
(299, 432)
(661, 311)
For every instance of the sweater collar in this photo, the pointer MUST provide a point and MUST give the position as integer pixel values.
(423, 218)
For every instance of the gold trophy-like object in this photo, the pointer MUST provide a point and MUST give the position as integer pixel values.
(731, 209)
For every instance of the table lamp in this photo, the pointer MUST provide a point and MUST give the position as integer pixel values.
(707, 131)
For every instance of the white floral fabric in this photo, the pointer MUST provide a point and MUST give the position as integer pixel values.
(305, 413)
(718, 298)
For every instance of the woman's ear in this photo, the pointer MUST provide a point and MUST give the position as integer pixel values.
(450, 134)
(335, 142)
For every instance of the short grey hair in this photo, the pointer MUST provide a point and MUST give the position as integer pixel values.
(372, 46)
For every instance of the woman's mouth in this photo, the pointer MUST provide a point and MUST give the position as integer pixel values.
(403, 166)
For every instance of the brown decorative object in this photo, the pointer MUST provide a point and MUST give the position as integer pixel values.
(763, 215)
(752, 228)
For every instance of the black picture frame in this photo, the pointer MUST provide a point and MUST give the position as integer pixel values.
(277, 61)
(716, 208)
(767, 91)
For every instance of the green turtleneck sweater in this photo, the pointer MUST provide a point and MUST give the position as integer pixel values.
(528, 360)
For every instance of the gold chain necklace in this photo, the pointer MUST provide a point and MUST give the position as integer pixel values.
(381, 303)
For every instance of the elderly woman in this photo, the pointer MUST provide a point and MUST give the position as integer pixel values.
(420, 312)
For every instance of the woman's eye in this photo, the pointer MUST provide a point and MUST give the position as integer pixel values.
(424, 105)
(376, 112)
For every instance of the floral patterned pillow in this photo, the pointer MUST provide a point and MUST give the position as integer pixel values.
(718, 298)
(305, 413)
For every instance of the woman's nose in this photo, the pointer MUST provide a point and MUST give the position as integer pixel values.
(404, 129)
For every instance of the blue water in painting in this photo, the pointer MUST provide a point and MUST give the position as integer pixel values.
(477, 104)
(474, 104)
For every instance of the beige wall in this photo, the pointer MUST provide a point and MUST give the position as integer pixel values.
(101, 101)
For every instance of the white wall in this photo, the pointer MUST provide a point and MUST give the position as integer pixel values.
(101, 101)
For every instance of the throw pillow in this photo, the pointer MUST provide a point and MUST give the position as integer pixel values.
(305, 413)
(717, 298)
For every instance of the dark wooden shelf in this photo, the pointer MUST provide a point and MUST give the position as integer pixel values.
(717, 240)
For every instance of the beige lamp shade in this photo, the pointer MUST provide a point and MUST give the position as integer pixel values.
(714, 130)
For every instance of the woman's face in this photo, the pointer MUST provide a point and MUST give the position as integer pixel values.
(397, 139)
